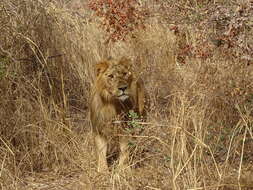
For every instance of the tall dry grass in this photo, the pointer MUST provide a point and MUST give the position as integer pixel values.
(199, 129)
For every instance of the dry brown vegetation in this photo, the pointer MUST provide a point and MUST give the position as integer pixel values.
(198, 73)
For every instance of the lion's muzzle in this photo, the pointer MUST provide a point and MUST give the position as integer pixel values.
(123, 95)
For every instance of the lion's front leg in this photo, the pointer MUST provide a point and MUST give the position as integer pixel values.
(101, 148)
(124, 153)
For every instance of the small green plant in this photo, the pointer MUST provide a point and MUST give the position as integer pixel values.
(131, 144)
(134, 122)
(167, 158)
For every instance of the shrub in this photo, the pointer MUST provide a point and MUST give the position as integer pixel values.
(119, 17)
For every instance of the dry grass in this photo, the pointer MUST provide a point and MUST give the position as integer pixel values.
(199, 129)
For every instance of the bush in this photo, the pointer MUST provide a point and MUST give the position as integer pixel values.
(119, 17)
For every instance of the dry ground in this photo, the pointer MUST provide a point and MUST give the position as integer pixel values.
(199, 131)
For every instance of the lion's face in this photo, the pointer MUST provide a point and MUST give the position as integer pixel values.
(115, 78)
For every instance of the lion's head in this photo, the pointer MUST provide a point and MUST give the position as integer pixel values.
(115, 79)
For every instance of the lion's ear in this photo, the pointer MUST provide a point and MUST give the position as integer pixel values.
(101, 67)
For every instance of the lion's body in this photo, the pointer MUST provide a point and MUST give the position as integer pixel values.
(115, 92)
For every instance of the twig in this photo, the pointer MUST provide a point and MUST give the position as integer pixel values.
(5, 144)
(50, 57)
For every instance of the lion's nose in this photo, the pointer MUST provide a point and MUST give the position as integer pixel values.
(123, 88)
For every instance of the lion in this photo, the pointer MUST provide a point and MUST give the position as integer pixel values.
(117, 90)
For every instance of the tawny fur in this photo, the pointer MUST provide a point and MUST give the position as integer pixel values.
(116, 91)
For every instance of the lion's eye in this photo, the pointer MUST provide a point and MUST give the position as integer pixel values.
(125, 73)
(110, 76)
